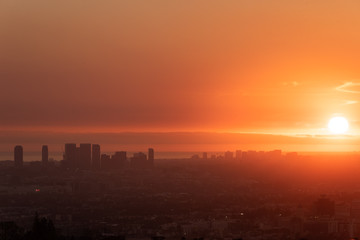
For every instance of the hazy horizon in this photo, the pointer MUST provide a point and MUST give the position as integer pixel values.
(272, 67)
(179, 142)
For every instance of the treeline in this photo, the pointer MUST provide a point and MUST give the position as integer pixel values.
(42, 229)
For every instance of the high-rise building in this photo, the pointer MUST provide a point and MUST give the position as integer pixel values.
(139, 160)
(77, 163)
(151, 157)
(18, 156)
(70, 155)
(85, 156)
(44, 154)
(105, 161)
(204, 155)
(119, 160)
(96, 164)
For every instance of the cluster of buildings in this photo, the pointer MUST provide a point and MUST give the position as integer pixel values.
(239, 154)
(88, 156)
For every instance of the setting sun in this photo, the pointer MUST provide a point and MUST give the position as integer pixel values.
(338, 125)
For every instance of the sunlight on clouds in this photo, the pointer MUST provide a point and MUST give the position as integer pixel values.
(349, 102)
(292, 84)
(349, 87)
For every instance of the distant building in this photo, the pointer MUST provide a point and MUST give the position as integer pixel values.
(275, 154)
(355, 208)
(139, 160)
(195, 157)
(204, 155)
(324, 206)
(251, 154)
(45, 155)
(96, 163)
(238, 154)
(18, 156)
(291, 155)
(70, 155)
(85, 156)
(77, 162)
(119, 160)
(105, 161)
(342, 210)
(229, 155)
(151, 157)
(261, 155)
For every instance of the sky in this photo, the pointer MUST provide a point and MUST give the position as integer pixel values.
(93, 68)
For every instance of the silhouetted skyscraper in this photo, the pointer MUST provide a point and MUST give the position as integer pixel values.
(18, 156)
(70, 155)
(45, 155)
(118, 160)
(105, 161)
(85, 156)
(96, 164)
(204, 155)
(151, 156)
(139, 160)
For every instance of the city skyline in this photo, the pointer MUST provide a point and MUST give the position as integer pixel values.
(88, 156)
(179, 142)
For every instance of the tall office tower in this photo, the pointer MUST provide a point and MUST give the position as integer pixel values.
(96, 164)
(204, 155)
(45, 155)
(119, 160)
(85, 156)
(238, 154)
(151, 157)
(18, 156)
(70, 155)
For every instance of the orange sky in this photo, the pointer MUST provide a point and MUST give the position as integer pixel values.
(278, 67)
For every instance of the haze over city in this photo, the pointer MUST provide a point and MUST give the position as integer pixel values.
(179, 120)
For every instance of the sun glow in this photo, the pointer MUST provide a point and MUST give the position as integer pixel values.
(338, 125)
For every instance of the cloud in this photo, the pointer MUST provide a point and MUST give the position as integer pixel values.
(350, 102)
(293, 83)
(349, 87)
